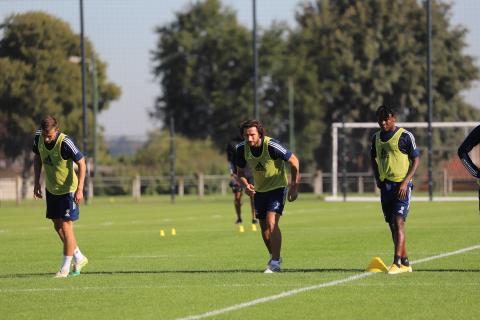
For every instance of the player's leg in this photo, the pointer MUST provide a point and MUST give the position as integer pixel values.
(65, 232)
(275, 234)
(79, 260)
(237, 200)
(259, 204)
(402, 210)
(265, 234)
(276, 202)
(400, 213)
(252, 208)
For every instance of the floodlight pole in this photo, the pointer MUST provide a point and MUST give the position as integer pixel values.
(84, 101)
(255, 62)
(430, 103)
(172, 159)
(291, 115)
(95, 112)
(344, 161)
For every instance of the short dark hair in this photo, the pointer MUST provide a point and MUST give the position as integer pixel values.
(48, 123)
(383, 112)
(250, 124)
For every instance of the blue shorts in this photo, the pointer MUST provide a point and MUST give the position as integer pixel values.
(62, 206)
(270, 201)
(391, 205)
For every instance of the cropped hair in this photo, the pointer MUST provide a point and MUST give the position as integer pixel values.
(48, 123)
(250, 124)
(383, 112)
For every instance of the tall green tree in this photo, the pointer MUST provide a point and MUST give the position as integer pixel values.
(373, 52)
(38, 77)
(203, 64)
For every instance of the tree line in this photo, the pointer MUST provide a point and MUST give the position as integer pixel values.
(344, 59)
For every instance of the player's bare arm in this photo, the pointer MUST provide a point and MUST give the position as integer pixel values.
(295, 178)
(37, 168)
(402, 190)
(375, 172)
(249, 188)
(81, 179)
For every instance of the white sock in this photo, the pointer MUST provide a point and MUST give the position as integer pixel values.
(78, 254)
(67, 260)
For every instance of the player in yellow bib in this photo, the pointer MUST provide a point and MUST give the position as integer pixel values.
(56, 153)
(395, 159)
(266, 159)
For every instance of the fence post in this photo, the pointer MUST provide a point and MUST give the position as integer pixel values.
(201, 185)
(90, 188)
(318, 183)
(360, 184)
(18, 191)
(223, 186)
(445, 181)
(136, 193)
(375, 188)
(181, 186)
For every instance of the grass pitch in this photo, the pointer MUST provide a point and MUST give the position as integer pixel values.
(134, 273)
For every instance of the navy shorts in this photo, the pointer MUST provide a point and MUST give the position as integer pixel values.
(391, 205)
(270, 201)
(62, 206)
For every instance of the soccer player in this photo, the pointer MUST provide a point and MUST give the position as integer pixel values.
(56, 152)
(266, 159)
(470, 142)
(237, 187)
(394, 158)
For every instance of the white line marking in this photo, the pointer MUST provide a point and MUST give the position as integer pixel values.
(180, 286)
(445, 254)
(314, 287)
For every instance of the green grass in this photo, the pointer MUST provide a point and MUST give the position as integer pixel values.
(136, 274)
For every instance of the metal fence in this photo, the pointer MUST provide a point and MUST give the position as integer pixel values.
(318, 183)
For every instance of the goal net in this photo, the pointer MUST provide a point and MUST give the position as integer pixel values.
(352, 177)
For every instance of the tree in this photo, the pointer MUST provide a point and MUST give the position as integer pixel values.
(203, 64)
(373, 52)
(192, 156)
(37, 78)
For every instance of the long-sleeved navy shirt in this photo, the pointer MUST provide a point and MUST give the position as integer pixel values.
(470, 142)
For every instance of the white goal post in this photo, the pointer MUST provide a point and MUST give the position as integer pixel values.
(337, 125)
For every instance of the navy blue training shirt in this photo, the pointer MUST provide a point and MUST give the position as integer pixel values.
(275, 149)
(406, 143)
(68, 149)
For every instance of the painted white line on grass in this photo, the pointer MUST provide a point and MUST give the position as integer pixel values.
(229, 285)
(314, 287)
(446, 254)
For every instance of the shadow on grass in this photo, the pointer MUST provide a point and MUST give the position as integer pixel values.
(141, 272)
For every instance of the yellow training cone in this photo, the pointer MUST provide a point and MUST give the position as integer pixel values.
(377, 265)
(174, 232)
(241, 228)
(162, 233)
(254, 227)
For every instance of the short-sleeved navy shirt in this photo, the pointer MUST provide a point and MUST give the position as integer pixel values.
(275, 149)
(68, 149)
(406, 143)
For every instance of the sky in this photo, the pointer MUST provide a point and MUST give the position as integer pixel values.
(122, 32)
